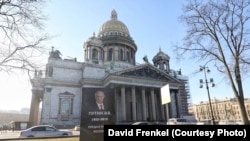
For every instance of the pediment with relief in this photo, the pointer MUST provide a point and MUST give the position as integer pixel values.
(147, 71)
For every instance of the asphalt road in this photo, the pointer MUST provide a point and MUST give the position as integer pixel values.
(15, 134)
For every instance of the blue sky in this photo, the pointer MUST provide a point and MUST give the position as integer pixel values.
(152, 25)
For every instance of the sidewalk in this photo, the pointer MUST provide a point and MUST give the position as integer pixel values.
(9, 134)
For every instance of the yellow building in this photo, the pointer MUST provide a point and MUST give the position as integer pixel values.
(224, 109)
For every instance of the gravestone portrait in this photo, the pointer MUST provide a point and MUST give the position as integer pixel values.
(98, 109)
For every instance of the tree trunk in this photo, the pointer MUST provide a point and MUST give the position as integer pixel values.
(243, 112)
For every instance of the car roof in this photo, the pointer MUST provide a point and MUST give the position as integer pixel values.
(140, 123)
(177, 119)
(42, 126)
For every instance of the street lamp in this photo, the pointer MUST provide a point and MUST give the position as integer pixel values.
(206, 70)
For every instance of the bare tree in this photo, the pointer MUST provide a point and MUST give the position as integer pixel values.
(21, 34)
(218, 30)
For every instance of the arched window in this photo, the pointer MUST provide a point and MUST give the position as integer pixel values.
(110, 55)
(94, 54)
(157, 65)
(121, 55)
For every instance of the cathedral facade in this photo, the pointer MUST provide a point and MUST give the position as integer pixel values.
(109, 62)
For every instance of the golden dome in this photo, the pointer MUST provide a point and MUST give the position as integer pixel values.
(114, 25)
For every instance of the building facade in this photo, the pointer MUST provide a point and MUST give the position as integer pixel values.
(224, 109)
(109, 62)
(9, 119)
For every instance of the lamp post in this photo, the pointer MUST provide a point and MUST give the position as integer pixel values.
(206, 70)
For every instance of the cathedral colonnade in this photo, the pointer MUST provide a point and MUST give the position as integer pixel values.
(137, 103)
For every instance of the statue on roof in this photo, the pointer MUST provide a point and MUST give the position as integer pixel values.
(55, 54)
(112, 65)
(145, 59)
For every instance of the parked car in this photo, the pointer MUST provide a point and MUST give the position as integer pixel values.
(227, 122)
(44, 131)
(77, 128)
(179, 121)
(142, 123)
(149, 123)
(205, 122)
(239, 122)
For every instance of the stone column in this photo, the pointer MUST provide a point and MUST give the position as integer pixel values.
(163, 117)
(116, 53)
(133, 103)
(90, 54)
(34, 108)
(123, 116)
(153, 104)
(87, 53)
(144, 115)
(173, 106)
(179, 110)
(105, 54)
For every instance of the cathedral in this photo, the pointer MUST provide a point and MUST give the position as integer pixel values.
(109, 63)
